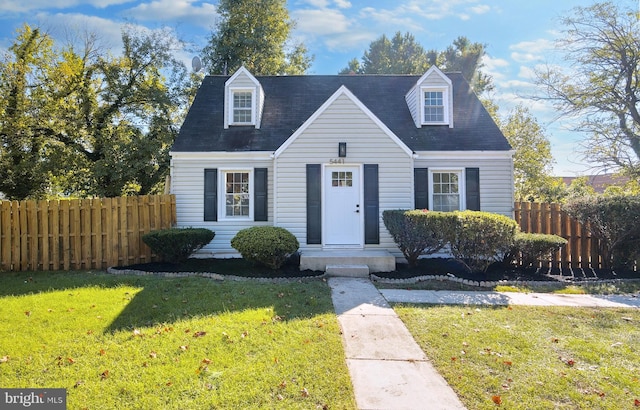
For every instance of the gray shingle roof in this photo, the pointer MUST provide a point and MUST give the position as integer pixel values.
(291, 100)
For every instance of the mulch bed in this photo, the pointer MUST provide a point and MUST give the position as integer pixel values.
(427, 266)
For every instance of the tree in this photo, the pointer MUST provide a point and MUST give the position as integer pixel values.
(256, 34)
(404, 55)
(399, 55)
(600, 87)
(532, 161)
(466, 57)
(97, 125)
(22, 170)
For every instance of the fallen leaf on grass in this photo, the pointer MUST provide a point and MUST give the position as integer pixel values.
(636, 402)
(206, 361)
(199, 334)
(78, 383)
(102, 352)
(71, 360)
(496, 399)
(304, 392)
(153, 354)
(184, 347)
(627, 319)
(4, 359)
(104, 375)
(28, 313)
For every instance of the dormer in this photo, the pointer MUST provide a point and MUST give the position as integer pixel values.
(244, 99)
(431, 99)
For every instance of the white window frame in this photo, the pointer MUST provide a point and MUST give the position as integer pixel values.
(222, 194)
(445, 103)
(232, 92)
(461, 186)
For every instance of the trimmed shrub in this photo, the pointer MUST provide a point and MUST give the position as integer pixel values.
(267, 245)
(534, 247)
(418, 232)
(480, 238)
(615, 221)
(177, 244)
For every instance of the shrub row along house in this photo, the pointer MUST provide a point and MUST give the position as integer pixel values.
(324, 156)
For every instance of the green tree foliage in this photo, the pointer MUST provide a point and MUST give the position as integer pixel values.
(615, 221)
(89, 124)
(532, 161)
(22, 167)
(256, 34)
(402, 54)
(466, 57)
(600, 85)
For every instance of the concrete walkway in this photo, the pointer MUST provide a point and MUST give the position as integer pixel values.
(388, 369)
(439, 297)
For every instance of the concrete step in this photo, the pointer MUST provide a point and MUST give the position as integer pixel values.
(376, 260)
(352, 271)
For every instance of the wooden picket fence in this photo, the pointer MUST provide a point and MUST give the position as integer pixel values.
(582, 250)
(80, 233)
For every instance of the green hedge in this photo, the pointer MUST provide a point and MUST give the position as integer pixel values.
(480, 238)
(177, 244)
(534, 247)
(418, 232)
(615, 221)
(267, 245)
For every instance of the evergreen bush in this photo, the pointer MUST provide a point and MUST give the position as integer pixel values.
(267, 245)
(177, 244)
(418, 232)
(480, 238)
(534, 247)
(615, 221)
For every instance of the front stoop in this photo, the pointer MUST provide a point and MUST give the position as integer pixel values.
(352, 271)
(375, 261)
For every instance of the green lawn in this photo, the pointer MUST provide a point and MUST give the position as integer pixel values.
(185, 343)
(533, 357)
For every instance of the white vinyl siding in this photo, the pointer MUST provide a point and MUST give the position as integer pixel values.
(367, 143)
(187, 184)
(496, 176)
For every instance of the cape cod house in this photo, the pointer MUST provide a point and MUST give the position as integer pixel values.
(323, 156)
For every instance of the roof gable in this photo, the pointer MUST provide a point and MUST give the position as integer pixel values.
(342, 91)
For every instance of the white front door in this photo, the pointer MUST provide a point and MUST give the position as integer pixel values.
(343, 213)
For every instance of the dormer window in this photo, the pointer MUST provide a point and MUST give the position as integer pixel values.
(242, 107)
(435, 105)
(430, 100)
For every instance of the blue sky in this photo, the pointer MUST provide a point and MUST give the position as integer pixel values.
(519, 36)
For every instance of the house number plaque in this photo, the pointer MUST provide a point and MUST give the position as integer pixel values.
(336, 161)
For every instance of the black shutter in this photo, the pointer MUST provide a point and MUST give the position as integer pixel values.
(421, 188)
(371, 205)
(473, 188)
(210, 194)
(260, 190)
(314, 204)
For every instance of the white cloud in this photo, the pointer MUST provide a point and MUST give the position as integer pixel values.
(321, 22)
(539, 46)
(61, 25)
(343, 4)
(21, 6)
(203, 15)
(480, 9)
